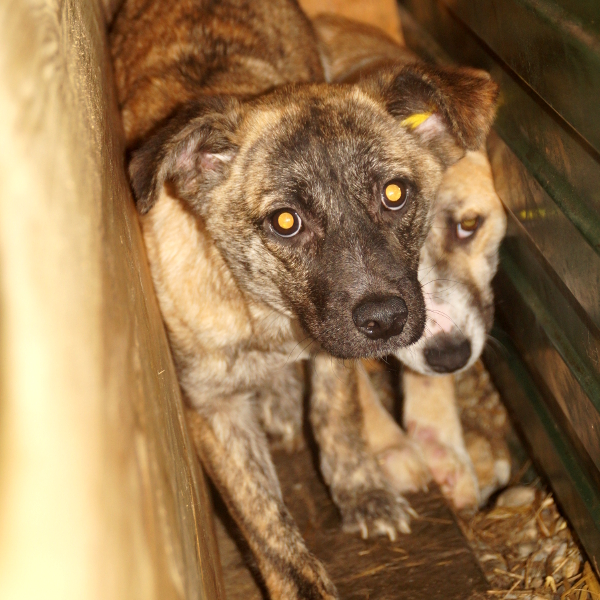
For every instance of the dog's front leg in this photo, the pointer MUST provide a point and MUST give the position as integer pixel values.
(432, 420)
(234, 451)
(367, 500)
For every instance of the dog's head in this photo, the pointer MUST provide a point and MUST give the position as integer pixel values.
(318, 196)
(458, 261)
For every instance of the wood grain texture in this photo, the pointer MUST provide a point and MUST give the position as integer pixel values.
(100, 492)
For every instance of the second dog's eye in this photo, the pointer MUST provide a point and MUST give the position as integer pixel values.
(286, 222)
(394, 194)
(467, 227)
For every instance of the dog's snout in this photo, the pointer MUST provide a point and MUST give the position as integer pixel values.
(446, 354)
(381, 318)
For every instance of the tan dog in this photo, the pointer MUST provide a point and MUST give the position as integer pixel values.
(458, 262)
(279, 214)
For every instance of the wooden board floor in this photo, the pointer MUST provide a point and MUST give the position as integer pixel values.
(433, 562)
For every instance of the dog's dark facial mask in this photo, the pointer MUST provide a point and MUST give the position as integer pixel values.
(318, 196)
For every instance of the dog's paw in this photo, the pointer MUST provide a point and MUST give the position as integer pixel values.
(374, 512)
(452, 470)
(405, 467)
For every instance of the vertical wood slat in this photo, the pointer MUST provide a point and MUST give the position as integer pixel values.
(100, 491)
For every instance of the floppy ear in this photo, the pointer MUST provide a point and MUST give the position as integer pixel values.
(191, 151)
(450, 109)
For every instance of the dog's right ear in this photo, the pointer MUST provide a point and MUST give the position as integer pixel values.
(191, 151)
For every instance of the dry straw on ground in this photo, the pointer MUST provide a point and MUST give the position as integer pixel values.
(525, 547)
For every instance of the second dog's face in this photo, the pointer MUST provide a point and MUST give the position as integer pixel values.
(458, 261)
(318, 199)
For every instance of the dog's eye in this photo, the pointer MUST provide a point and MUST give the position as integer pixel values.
(467, 227)
(394, 194)
(286, 222)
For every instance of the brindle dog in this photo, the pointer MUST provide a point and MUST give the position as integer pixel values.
(279, 212)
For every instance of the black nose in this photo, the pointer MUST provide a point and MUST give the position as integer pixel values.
(381, 318)
(445, 354)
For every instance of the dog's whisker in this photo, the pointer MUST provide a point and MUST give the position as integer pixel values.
(496, 345)
(453, 281)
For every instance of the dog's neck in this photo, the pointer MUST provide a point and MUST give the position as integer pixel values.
(226, 50)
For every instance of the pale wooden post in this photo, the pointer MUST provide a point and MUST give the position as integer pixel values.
(101, 496)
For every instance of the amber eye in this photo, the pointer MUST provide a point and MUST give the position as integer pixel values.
(467, 227)
(286, 222)
(394, 194)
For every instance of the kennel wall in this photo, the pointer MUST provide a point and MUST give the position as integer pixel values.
(545, 155)
(100, 492)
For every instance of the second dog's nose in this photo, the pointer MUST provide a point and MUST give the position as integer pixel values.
(445, 354)
(381, 318)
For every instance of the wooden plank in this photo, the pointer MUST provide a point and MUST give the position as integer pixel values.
(547, 351)
(558, 457)
(433, 562)
(559, 57)
(100, 492)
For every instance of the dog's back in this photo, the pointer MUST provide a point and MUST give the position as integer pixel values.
(349, 49)
(167, 52)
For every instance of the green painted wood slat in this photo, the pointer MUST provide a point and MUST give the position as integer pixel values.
(552, 450)
(552, 46)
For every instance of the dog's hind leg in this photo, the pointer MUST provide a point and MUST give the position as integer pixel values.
(279, 403)
(366, 498)
(234, 451)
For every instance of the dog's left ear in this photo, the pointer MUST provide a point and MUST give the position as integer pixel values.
(450, 109)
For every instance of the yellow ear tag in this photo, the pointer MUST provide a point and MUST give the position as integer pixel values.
(413, 121)
(285, 220)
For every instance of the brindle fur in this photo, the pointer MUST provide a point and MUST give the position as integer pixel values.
(226, 122)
